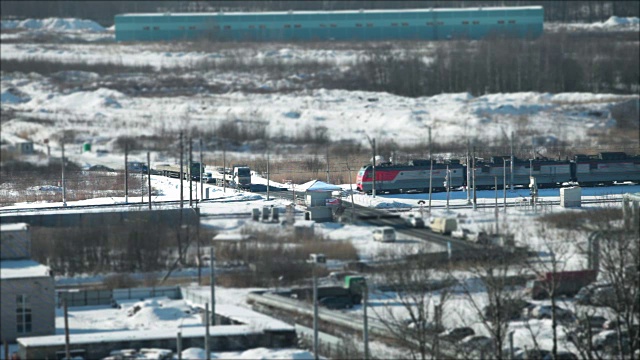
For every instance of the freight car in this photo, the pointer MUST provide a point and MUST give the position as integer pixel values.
(548, 173)
(605, 168)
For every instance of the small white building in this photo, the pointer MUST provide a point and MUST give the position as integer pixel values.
(27, 289)
(317, 194)
(571, 197)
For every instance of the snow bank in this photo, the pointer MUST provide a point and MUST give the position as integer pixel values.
(52, 24)
(615, 21)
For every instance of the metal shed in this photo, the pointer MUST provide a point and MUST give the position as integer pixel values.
(416, 24)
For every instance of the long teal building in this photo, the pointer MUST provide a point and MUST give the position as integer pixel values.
(418, 24)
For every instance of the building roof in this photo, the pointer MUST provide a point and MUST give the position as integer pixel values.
(376, 11)
(14, 227)
(137, 335)
(317, 185)
(22, 269)
(233, 237)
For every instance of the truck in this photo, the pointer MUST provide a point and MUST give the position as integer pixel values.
(566, 283)
(242, 176)
(351, 290)
(443, 225)
(173, 170)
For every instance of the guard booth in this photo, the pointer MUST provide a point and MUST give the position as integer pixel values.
(316, 196)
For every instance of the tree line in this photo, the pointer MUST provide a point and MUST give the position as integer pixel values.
(104, 11)
(557, 62)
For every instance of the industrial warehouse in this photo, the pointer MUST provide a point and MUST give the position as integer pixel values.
(418, 24)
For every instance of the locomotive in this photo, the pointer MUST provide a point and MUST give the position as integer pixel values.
(606, 168)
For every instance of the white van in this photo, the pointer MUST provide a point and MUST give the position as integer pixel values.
(384, 234)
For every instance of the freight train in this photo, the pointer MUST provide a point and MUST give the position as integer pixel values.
(605, 168)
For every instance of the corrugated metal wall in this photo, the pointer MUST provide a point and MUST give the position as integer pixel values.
(437, 24)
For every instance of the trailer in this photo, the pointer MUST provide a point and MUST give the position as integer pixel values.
(566, 283)
(174, 171)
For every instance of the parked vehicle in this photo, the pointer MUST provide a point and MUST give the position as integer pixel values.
(456, 334)
(443, 225)
(476, 343)
(460, 233)
(336, 303)
(564, 283)
(351, 289)
(384, 234)
(415, 221)
(428, 326)
(546, 312)
(509, 310)
(608, 340)
(596, 295)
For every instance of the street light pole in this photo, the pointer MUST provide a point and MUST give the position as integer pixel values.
(315, 313)
(372, 142)
(365, 335)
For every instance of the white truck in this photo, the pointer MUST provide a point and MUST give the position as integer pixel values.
(239, 176)
(443, 225)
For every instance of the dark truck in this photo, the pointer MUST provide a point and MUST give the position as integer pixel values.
(350, 293)
(566, 283)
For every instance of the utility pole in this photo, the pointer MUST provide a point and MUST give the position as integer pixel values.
(328, 180)
(224, 168)
(212, 264)
(268, 176)
(475, 195)
(149, 176)
(495, 185)
(511, 165)
(207, 349)
(189, 171)
(430, 170)
(201, 165)
(373, 147)
(126, 174)
(181, 173)
(468, 176)
(315, 313)
(504, 183)
(365, 321)
(67, 351)
(64, 183)
(353, 206)
(447, 185)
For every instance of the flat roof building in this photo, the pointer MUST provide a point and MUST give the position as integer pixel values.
(416, 24)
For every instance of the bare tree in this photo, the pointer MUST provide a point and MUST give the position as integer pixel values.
(414, 319)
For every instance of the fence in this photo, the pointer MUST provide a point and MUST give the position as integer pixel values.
(107, 297)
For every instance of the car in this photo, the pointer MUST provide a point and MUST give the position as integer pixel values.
(596, 295)
(456, 334)
(101, 168)
(531, 354)
(509, 310)
(476, 342)
(608, 340)
(460, 233)
(336, 303)
(561, 355)
(426, 325)
(384, 234)
(415, 221)
(545, 312)
(594, 321)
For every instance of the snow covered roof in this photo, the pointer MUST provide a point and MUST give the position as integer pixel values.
(14, 227)
(254, 319)
(137, 335)
(232, 237)
(317, 185)
(22, 269)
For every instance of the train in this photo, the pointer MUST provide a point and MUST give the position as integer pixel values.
(605, 168)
